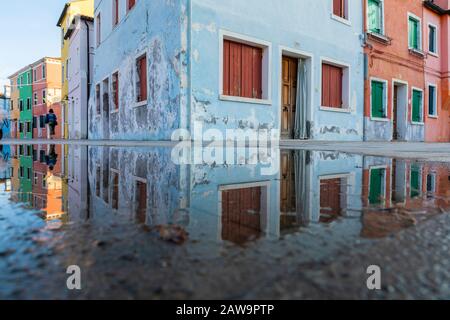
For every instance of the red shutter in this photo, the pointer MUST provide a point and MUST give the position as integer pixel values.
(242, 70)
(331, 86)
(131, 4)
(143, 77)
(339, 8)
(116, 12)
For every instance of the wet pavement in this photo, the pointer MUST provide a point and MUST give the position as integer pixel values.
(142, 224)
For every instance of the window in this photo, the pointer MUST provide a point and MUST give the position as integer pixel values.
(34, 75)
(21, 172)
(432, 100)
(377, 186)
(431, 183)
(44, 183)
(106, 95)
(432, 39)
(12, 104)
(115, 190)
(44, 72)
(415, 181)
(242, 70)
(29, 173)
(41, 121)
(44, 96)
(20, 127)
(115, 90)
(35, 178)
(335, 86)
(35, 99)
(340, 8)
(414, 33)
(28, 79)
(35, 155)
(99, 29)
(34, 122)
(115, 12)
(42, 156)
(28, 103)
(378, 99)
(97, 98)
(417, 104)
(141, 79)
(67, 69)
(21, 105)
(63, 74)
(28, 124)
(375, 16)
(130, 4)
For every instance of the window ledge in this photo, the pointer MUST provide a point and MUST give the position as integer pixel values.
(341, 20)
(417, 52)
(433, 116)
(380, 119)
(245, 100)
(140, 104)
(114, 111)
(436, 55)
(418, 123)
(379, 38)
(339, 110)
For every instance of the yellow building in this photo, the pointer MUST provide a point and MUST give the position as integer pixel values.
(71, 9)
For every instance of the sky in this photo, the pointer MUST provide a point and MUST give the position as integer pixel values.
(28, 32)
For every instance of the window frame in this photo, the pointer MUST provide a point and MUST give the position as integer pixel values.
(419, 30)
(137, 58)
(116, 13)
(384, 180)
(346, 18)
(266, 69)
(113, 102)
(385, 99)
(346, 85)
(98, 29)
(436, 39)
(422, 111)
(436, 97)
(383, 25)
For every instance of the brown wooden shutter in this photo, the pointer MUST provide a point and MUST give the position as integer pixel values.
(339, 8)
(242, 70)
(331, 86)
(143, 78)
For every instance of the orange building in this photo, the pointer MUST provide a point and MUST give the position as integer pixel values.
(395, 61)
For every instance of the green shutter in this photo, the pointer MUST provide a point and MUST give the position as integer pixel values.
(416, 106)
(415, 182)
(431, 101)
(376, 186)
(375, 16)
(413, 33)
(377, 100)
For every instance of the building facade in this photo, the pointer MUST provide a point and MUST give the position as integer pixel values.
(5, 123)
(81, 57)
(14, 114)
(46, 95)
(25, 106)
(200, 65)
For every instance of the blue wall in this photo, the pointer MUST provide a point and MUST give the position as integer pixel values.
(301, 25)
(5, 123)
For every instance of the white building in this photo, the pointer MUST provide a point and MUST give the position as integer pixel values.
(80, 61)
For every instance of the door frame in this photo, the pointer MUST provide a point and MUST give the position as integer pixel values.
(298, 54)
(400, 83)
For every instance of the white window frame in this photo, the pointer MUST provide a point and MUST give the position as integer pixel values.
(44, 96)
(342, 20)
(385, 99)
(422, 111)
(266, 82)
(116, 109)
(436, 114)
(383, 30)
(436, 40)
(413, 16)
(420, 191)
(346, 85)
(136, 58)
(433, 175)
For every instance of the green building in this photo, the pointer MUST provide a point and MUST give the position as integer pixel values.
(25, 84)
(26, 174)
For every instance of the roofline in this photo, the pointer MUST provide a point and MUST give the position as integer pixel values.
(31, 65)
(435, 8)
(70, 30)
(63, 14)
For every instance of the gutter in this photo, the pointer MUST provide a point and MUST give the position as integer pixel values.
(434, 7)
(88, 75)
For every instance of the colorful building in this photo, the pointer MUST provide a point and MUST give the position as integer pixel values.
(25, 79)
(46, 95)
(14, 114)
(436, 28)
(5, 123)
(162, 66)
(81, 57)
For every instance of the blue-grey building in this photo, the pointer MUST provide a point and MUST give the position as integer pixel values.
(4, 116)
(295, 67)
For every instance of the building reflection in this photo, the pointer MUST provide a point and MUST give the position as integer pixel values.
(342, 194)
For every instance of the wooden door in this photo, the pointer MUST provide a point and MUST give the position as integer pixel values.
(287, 200)
(289, 96)
(330, 199)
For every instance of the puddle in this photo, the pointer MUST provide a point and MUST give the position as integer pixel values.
(140, 225)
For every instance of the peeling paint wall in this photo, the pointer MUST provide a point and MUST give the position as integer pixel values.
(309, 29)
(157, 28)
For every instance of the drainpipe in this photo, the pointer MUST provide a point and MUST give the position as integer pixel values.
(88, 76)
